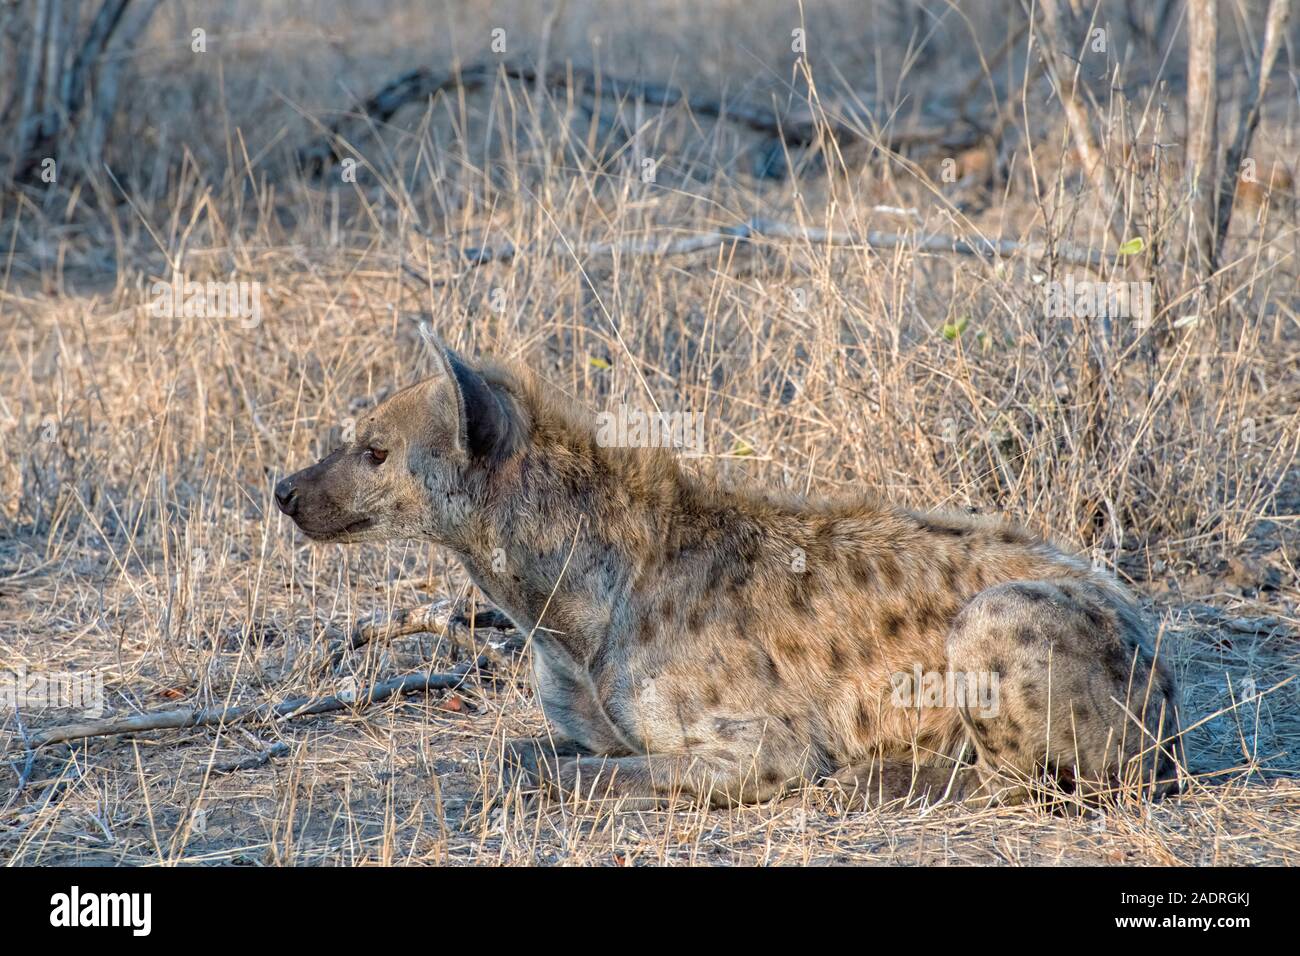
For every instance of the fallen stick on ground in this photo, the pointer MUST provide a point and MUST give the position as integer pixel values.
(440, 618)
(261, 758)
(419, 84)
(294, 707)
(759, 228)
(433, 618)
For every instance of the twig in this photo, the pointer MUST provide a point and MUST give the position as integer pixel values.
(209, 716)
(258, 759)
(25, 772)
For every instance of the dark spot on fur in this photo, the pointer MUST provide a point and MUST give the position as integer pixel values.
(1030, 593)
(1119, 663)
(890, 571)
(1095, 617)
(837, 655)
(860, 572)
(864, 716)
(791, 648)
(1027, 635)
(697, 615)
(797, 593)
(936, 527)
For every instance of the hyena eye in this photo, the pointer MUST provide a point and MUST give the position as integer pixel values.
(377, 455)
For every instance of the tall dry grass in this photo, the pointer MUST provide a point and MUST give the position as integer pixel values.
(135, 534)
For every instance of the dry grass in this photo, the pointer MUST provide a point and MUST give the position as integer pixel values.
(135, 537)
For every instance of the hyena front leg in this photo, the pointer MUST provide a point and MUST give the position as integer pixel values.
(521, 757)
(1081, 698)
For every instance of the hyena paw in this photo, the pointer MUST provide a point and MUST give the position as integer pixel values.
(535, 762)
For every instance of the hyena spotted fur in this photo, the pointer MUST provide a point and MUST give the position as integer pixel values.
(680, 649)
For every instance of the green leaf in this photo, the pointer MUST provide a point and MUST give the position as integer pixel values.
(597, 362)
(1133, 246)
(950, 332)
(742, 448)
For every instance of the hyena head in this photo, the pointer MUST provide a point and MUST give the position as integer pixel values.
(417, 467)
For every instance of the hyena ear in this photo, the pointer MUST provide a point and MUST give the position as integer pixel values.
(487, 428)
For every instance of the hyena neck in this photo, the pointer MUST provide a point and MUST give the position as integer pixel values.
(569, 528)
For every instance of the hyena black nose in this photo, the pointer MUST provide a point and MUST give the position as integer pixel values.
(286, 496)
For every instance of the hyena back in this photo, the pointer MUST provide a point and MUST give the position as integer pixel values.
(724, 645)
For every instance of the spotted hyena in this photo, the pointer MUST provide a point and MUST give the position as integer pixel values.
(702, 642)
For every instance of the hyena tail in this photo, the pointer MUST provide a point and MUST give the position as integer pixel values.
(977, 738)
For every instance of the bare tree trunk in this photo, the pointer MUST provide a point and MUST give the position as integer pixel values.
(69, 113)
(1273, 29)
(104, 86)
(101, 31)
(27, 125)
(1076, 118)
(1202, 127)
(53, 64)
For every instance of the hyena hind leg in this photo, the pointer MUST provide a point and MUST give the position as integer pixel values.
(654, 781)
(1082, 704)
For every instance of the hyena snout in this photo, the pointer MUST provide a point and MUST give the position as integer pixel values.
(286, 496)
(322, 499)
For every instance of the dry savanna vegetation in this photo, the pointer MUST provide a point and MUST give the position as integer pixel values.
(833, 230)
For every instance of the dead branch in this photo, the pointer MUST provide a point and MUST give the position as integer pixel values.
(1273, 29)
(433, 618)
(978, 247)
(496, 643)
(422, 83)
(474, 256)
(212, 716)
